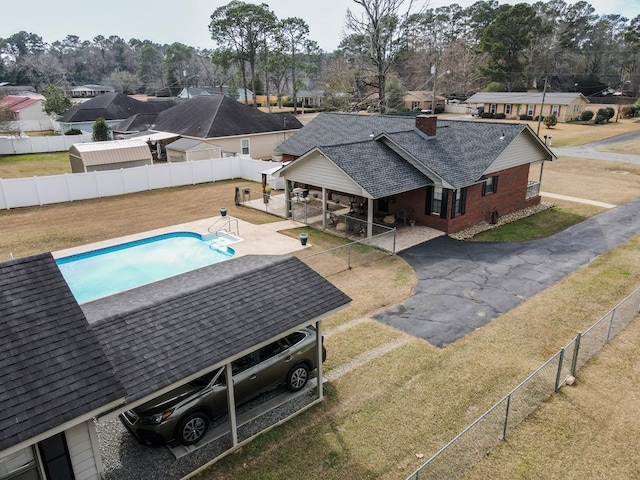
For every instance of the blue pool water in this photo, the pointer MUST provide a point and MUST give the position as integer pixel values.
(106, 271)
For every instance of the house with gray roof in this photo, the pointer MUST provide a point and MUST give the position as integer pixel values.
(566, 106)
(228, 124)
(113, 107)
(444, 174)
(62, 364)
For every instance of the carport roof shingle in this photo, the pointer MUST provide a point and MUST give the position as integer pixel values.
(52, 368)
(160, 334)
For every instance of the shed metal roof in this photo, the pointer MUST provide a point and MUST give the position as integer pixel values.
(116, 151)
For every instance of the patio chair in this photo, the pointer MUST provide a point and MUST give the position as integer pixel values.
(404, 214)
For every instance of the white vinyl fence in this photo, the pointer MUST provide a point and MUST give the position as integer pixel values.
(27, 192)
(59, 143)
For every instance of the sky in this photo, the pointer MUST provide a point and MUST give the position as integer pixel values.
(167, 21)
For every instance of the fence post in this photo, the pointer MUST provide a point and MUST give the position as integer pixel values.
(576, 350)
(506, 418)
(613, 315)
(559, 372)
(349, 257)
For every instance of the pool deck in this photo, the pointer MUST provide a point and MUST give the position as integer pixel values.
(262, 239)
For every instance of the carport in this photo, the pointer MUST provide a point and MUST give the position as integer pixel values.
(168, 333)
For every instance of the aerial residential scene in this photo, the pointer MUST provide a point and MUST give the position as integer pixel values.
(352, 239)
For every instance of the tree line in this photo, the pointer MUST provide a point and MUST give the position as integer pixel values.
(391, 46)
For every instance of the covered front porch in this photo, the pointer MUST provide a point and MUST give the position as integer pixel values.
(342, 215)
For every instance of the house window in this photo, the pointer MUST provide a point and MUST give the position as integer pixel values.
(415, 105)
(555, 110)
(507, 109)
(459, 202)
(490, 185)
(20, 465)
(437, 198)
(492, 108)
(436, 204)
(244, 146)
(531, 110)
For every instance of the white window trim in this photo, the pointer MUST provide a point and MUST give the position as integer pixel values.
(248, 147)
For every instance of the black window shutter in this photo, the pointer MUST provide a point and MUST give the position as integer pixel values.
(484, 188)
(495, 184)
(429, 202)
(445, 200)
(463, 200)
(55, 458)
(454, 197)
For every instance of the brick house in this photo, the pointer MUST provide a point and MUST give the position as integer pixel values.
(444, 174)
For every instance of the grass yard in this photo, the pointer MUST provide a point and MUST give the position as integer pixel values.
(34, 164)
(382, 419)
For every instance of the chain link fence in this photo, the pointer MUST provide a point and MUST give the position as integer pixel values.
(476, 440)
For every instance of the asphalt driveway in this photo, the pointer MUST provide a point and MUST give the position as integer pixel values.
(464, 285)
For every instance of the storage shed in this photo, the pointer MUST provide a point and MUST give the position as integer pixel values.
(110, 155)
(187, 150)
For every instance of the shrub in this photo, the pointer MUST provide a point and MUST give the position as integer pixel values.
(599, 119)
(500, 116)
(526, 117)
(586, 115)
(73, 131)
(606, 113)
(550, 121)
(486, 115)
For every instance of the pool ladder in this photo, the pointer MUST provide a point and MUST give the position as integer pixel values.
(224, 225)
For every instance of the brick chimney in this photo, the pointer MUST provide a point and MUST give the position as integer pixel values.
(427, 124)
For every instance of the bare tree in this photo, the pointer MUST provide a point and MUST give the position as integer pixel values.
(381, 25)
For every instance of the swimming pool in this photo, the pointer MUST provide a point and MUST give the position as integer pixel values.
(106, 271)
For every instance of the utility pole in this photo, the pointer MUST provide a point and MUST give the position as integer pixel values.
(544, 92)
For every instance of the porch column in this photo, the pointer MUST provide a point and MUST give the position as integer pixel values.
(287, 199)
(231, 402)
(324, 208)
(369, 217)
(540, 179)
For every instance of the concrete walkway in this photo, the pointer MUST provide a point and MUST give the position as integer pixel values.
(577, 200)
(464, 285)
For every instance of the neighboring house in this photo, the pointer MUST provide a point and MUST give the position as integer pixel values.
(448, 175)
(110, 155)
(113, 107)
(244, 96)
(8, 88)
(64, 364)
(310, 98)
(423, 100)
(27, 113)
(88, 91)
(226, 123)
(565, 106)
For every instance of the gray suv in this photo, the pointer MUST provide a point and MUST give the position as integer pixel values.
(184, 414)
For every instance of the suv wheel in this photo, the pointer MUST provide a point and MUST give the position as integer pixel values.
(192, 428)
(297, 377)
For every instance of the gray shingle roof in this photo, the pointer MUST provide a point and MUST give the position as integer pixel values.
(159, 334)
(215, 116)
(112, 106)
(52, 368)
(458, 154)
(550, 98)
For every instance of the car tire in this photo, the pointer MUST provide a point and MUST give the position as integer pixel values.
(297, 377)
(192, 428)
